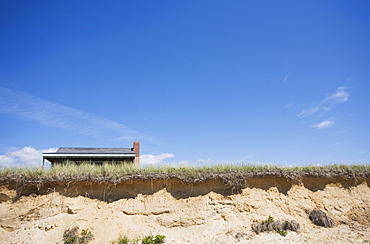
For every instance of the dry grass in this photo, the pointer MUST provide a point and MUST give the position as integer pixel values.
(280, 226)
(234, 176)
(71, 236)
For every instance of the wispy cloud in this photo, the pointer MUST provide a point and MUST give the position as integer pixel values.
(27, 156)
(56, 115)
(248, 157)
(167, 158)
(286, 77)
(341, 95)
(288, 105)
(324, 125)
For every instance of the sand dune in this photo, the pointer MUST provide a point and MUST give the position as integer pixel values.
(206, 212)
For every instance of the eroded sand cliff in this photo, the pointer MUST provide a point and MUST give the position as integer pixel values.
(206, 212)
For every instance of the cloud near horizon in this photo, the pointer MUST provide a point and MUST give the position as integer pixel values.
(27, 156)
(149, 159)
(56, 115)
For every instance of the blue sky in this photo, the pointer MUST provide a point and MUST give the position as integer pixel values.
(196, 82)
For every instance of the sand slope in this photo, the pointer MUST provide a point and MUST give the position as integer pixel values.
(205, 212)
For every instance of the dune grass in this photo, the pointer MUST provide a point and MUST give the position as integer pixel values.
(229, 173)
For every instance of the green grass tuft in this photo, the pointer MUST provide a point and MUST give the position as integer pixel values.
(158, 239)
(150, 239)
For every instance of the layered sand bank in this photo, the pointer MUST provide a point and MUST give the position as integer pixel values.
(204, 212)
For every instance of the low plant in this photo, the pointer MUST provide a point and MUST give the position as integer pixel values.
(320, 218)
(279, 226)
(124, 240)
(150, 239)
(158, 239)
(71, 236)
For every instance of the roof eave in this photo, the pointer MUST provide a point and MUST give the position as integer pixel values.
(84, 155)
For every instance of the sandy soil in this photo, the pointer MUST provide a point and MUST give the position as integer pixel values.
(205, 212)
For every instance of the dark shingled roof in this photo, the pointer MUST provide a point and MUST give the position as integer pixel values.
(84, 150)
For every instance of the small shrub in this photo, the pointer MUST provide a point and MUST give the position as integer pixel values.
(158, 239)
(70, 236)
(320, 218)
(291, 225)
(122, 240)
(86, 236)
(279, 226)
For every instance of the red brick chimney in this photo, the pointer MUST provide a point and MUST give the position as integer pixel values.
(137, 152)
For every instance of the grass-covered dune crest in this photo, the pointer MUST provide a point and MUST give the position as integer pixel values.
(232, 203)
(229, 174)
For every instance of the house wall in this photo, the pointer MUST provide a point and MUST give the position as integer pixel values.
(98, 161)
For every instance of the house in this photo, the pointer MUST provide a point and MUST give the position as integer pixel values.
(79, 155)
